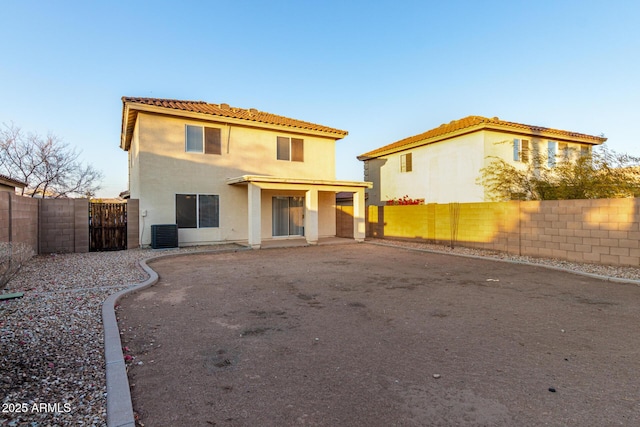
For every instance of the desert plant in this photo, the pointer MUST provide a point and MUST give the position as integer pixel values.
(13, 256)
(600, 174)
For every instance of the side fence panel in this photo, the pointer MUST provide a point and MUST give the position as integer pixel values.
(54, 225)
(604, 231)
(18, 219)
(64, 225)
(133, 221)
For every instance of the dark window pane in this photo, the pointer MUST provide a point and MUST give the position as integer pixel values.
(209, 211)
(194, 139)
(409, 162)
(283, 148)
(186, 210)
(212, 142)
(297, 150)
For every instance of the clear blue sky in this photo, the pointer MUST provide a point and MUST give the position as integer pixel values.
(383, 70)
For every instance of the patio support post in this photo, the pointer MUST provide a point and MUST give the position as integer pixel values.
(254, 203)
(311, 216)
(359, 215)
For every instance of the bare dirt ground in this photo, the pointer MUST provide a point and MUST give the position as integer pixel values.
(364, 335)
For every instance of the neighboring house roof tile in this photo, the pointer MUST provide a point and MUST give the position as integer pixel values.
(4, 179)
(226, 111)
(476, 123)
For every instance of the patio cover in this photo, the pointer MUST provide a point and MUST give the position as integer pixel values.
(256, 183)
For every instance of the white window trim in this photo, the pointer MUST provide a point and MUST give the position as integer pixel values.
(186, 133)
(403, 162)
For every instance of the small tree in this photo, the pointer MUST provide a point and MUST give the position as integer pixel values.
(602, 173)
(13, 256)
(48, 166)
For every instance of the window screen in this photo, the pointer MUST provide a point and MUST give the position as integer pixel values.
(208, 210)
(297, 150)
(212, 141)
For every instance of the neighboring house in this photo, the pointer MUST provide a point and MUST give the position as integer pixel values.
(443, 164)
(226, 174)
(10, 184)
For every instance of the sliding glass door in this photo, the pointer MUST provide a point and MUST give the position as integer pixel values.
(288, 216)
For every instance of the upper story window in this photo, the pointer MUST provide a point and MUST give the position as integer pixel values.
(585, 150)
(200, 139)
(564, 151)
(552, 151)
(290, 149)
(521, 150)
(406, 162)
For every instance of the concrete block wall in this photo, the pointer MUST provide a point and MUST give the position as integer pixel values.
(64, 225)
(603, 231)
(19, 219)
(54, 225)
(5, 217)
(133, 223)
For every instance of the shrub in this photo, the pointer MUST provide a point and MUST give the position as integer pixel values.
(13, 256)
(405, 200)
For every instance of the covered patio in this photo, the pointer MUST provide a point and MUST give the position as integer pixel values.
(311, 188)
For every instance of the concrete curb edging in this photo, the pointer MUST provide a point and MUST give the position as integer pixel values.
(513, 261)
(119, 405)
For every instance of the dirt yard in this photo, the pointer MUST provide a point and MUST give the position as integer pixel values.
(365, 335)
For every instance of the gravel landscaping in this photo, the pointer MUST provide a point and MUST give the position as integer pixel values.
(52, 369)
(51, 340)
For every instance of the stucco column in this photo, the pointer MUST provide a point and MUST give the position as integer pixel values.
(311, 216)
(254, 205)
(359, 229)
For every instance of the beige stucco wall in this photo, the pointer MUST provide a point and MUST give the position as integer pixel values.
(447, 171)
(160, 169)
(442, 172)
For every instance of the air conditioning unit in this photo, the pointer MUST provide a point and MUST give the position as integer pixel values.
(164, 236)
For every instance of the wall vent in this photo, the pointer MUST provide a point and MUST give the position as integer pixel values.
(164, 236)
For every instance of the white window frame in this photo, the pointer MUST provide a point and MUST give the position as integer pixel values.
(289, 149)
(521, 150)
(552, 151)
(404, 166)
(186, 139)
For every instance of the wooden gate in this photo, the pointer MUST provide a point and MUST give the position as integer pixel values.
(344, 221)
(107, 226)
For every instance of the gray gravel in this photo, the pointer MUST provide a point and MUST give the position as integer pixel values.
(51, 341)
(52, 369)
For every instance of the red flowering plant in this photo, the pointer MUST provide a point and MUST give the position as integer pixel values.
(404, 200)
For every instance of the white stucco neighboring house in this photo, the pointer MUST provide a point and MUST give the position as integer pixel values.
(443, 164)
(226, 174)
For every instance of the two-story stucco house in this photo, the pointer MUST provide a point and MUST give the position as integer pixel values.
(226, 174)
(443, 164)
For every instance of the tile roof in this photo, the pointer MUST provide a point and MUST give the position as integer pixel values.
(226, 111)
(476, 123)
(4, 179)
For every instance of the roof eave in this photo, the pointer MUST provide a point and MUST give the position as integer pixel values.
(578, 138)
(132, 108)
